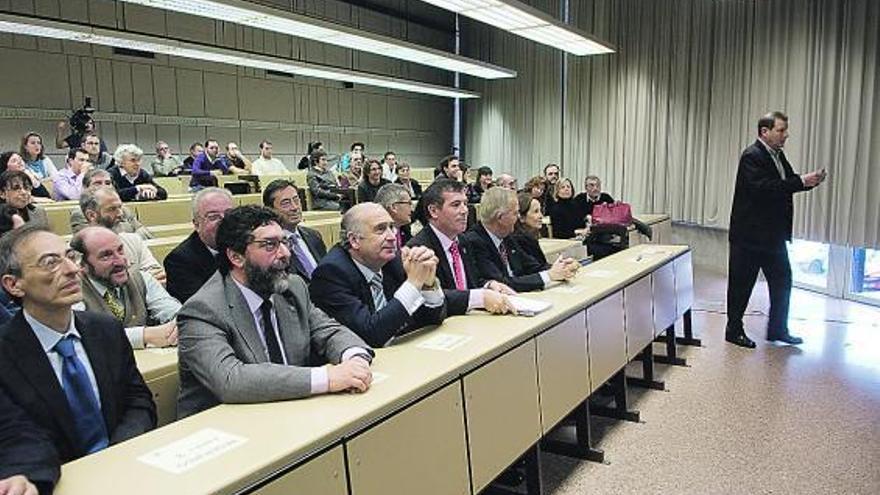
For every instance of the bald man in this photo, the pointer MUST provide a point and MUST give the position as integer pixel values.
(373, 288)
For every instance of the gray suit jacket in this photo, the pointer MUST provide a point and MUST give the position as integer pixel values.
(223, 359)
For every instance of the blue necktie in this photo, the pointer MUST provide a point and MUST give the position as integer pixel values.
(87, 418)
(301, 255)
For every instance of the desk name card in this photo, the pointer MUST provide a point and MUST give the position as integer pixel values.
(185, 454)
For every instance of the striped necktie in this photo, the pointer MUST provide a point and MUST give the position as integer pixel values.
(378, 291)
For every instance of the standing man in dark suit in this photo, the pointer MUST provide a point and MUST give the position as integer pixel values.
(306, 245)
(251, 334)
(28, 460)
(193, 261)
(760, 225)
(501, 258)
(72, 372)
(398, 203)
(131, 181)
(446, 205)
(370, 287)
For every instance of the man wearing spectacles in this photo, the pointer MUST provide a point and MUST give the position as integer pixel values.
(193, 261)
(397, 202)
(371, 287)
(306, 245)
(93, 180)
(164, 164)
(260, 319)
(135, 298)
(73, 373)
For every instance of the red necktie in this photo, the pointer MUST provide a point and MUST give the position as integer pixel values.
(457, 268)
(502, 250)
(399, 238)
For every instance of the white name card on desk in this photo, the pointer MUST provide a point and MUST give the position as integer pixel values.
(569, 289)
(379, 377)
(163, 351)
(600, 273)
(528, 307)
(445, 342)
(182, 455)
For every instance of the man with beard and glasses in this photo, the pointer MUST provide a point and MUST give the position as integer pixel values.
(136, 299)
(252, 334)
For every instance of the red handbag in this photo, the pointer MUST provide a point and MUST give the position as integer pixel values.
(617, 213)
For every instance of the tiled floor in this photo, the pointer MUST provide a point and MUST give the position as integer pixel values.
(776, 419)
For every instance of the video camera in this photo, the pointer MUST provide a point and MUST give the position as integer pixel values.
(81, 117)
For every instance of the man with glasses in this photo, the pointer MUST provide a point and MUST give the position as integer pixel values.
(93, 180)
(98, 156)
(164, 164)
(305, 244)
(73, 373)
(259, 318)
(396, 200)
(135, 298)
(193, 261)
(370, 286)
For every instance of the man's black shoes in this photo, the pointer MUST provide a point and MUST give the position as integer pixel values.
(740, 339)
(786, 338)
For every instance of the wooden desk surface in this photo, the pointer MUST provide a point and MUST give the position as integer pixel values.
(282, 433)
(155, 363)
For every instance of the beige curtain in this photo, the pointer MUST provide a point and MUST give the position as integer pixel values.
(664, 119)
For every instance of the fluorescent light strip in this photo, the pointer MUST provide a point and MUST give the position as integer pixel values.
(279, 21)
(528, 22)
(73, 32)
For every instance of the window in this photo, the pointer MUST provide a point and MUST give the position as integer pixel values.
(865, 272)
(809, 263)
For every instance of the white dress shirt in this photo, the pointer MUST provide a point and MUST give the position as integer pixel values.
(409, 295)
(475, 296)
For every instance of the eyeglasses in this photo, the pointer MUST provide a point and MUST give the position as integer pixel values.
(287, 203)
(19, 187)
(268, 245)
(213, 217)
(52, 262)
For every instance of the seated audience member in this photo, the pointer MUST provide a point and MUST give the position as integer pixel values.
(322, 183)
(528, 226)
(133, 297)
(238, 163)
(567, 214)
(389, 166)
(536, 187)
(357, 149)
(449, 169)
(592, 195)
(305, 244)
(209, 160)
(481, 185)
(132, 182)
(98, 156)
(195, 150)
(164, 164)
(551, 178)
(304, 162)
(501, 258)
(11, 160)
(77, 137)
(404, 178)
(73, 373)
(370, 287)
(67, 183)
(193, 261)
(28, 461)
(9, 220)
(266, 164)
(259, 318)
(93, 180)
(15, 191)
(102, 207)
(368, 187)
(506, 181)
(353, 176)
(31, 151)
(398, 203)
(446, 212)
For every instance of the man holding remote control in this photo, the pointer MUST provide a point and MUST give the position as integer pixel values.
(760, 226)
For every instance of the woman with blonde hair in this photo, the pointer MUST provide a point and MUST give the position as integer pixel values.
(566, 215)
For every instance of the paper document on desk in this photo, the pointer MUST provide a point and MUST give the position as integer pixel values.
(182, 455)
(528, 307)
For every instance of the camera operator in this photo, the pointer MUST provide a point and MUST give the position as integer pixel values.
(79, 124)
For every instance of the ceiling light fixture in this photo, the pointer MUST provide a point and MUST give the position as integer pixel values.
(73, 32)
(279, 21)
(528, 22)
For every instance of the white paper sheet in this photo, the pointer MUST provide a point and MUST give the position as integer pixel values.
(185, 454)
(600, 273)
(444, 342)
(528, 307)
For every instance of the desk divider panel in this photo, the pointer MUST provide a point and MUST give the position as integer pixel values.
(664, 298)
(418, 450)
(684, 283)
(59, 220)
(563, 369)
(164, 389)
(163, 212)
(323, 475)
(639, 316)
(503, 416)
(606, 339)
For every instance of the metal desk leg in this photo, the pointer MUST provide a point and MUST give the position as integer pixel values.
(620, 409)
(688, 338)
(574, 440)
(671, 356)
(647, 379)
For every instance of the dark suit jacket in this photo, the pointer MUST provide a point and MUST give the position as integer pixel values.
(762, 210)
(26, 374)
(456, 300)
(25, 448)
(128, 191)
(223, 358)
(530, 246)
(316, 245)
(526, 270)
(188, 267)
(339, 288)
(416, 188)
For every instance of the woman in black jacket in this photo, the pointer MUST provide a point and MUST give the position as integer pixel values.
(528, 226)
(566, 214)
